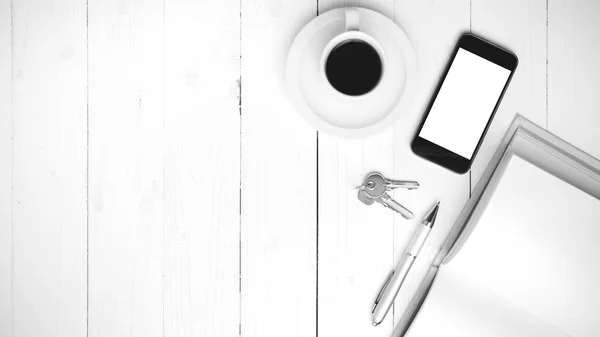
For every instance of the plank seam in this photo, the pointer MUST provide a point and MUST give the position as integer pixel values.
(547, 67)
(317, 230)
(317, 241)
(470, 16)
(164, 177)
(87, 170)
(12, 179)
(241, 176)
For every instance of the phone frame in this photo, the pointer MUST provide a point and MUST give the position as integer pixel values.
(438, 154)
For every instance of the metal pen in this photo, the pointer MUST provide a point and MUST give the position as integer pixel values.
(392, 285)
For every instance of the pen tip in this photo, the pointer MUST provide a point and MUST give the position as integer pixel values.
(432, 214)
(375, 323)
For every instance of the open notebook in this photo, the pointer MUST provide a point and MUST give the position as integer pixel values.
(530, 267)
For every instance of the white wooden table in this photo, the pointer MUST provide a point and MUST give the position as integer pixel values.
(154, 180)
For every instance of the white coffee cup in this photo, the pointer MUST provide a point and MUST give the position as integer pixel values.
(351, 33)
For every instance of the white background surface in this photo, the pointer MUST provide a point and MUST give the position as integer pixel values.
(154, 181)
(465, 103)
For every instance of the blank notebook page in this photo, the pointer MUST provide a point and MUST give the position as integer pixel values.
(534, 252)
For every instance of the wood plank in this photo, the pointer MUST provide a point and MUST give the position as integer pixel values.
(126, 168)
(355, 240)
(433, 28)
(6, 144)
(574, 73)
(519, 26)
(278, 231)
(49, 111)
(202, 168)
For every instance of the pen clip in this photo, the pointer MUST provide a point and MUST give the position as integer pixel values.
(381, 291)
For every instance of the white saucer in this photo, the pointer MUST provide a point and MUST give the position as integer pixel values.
(346, 116)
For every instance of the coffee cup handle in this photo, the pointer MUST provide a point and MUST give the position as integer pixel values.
(352, 19)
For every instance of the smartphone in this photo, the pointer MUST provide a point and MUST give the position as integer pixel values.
(464, 103)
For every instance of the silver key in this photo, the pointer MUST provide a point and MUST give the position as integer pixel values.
(375, 188)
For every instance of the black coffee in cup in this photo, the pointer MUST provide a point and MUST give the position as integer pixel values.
(353, 67)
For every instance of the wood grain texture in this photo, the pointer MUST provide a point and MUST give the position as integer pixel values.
(49, 203)
(355, 240)
(126, 148)
(202, 168)
(433, 27)
(519, 26)
(6, 144)
(278, 232)
(177, 125)
(574, 73)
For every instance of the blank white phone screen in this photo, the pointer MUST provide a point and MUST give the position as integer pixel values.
(464, 103)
